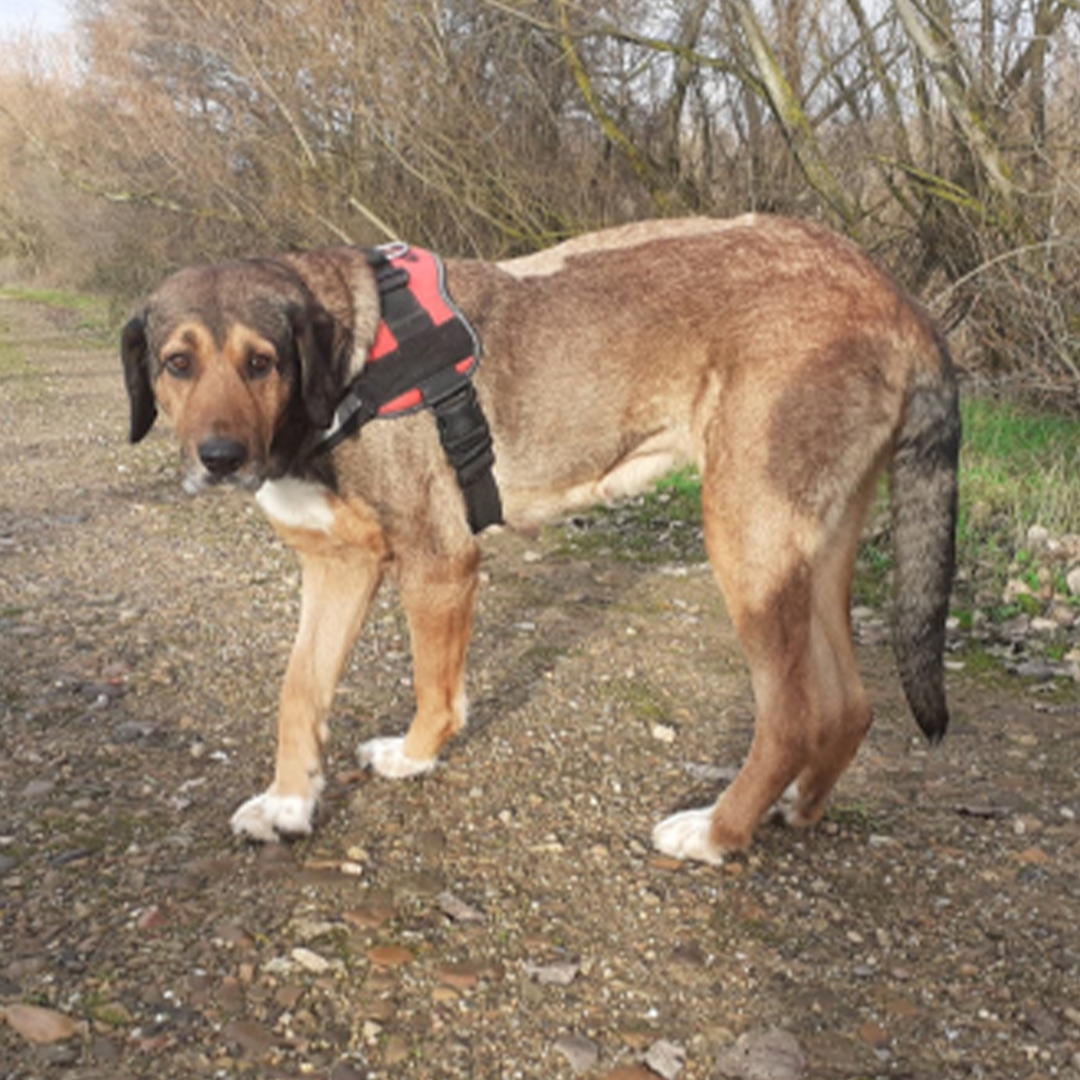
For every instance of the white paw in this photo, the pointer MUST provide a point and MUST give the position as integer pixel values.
(686, 836)
(784, 807)
(387, 757)
(268, 817)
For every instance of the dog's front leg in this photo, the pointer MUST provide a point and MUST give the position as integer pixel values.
(338, 585)
(439, 599)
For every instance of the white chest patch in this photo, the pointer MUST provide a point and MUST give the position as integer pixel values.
(298, 504)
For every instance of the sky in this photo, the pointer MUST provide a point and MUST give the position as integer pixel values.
(44, 16)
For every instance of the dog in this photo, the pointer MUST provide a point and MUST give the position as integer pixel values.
(771, 353)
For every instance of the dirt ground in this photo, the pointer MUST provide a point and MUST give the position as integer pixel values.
(505, 916)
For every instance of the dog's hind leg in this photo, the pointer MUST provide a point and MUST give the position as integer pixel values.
(439, 597)
(842, 715)
(755, 552)
(786, 577)
(338, 583)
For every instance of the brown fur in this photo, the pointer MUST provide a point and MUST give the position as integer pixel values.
(771, 353)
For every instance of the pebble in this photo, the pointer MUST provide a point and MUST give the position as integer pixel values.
(874, 1035)
(311, 961)
(390, 955)
(37, 1024)
(1072, 581)
(36, 789)
(251, 1037)
(369, 916)
(666, 1059)
(462, 976)
(764, 1055)
(396, 1050)
(456, 908)
(559, 973)
(581, 1052)
(311, 929)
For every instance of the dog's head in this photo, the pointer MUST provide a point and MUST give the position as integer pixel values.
(241, 357)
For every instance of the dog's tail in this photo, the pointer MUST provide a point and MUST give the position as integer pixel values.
(924, 498)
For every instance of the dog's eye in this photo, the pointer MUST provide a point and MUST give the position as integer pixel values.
(259, 364)
(178, 364)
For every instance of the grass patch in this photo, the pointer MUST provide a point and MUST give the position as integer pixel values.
(92, 314)
(13, 361)
(660, 526)
(1018, 467)
(640, 698)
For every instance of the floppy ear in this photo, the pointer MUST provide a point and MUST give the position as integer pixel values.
(322, 368)
(133, 352)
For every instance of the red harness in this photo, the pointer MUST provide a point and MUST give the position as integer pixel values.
(423, 274)
(424, 356)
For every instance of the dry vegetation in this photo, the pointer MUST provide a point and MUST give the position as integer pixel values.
(943, 134)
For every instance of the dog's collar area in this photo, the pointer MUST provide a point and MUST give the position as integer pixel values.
(424, 356)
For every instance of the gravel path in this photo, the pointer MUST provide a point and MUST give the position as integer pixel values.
(504, 917)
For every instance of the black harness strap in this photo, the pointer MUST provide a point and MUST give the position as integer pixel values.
(426, 358)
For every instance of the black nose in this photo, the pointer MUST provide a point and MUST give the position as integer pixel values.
(222, 456)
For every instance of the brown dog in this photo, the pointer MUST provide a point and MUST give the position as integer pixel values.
(769, 352)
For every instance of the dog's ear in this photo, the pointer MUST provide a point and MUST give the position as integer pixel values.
(322, 363)
(135, 356)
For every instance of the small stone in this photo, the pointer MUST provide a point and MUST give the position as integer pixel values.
(666, 863)
(311, 961)
(396, 1050)
(369, 916)
(153, 918)
(582, 1053)
(1033, 856)
(1014, 589)
(1063, 615)
(663, 733)
(390, 955)
(251, 1037)
(235, 935)
(1038, 537)
(37, 1024)
(1043, 1023)
(289, 996)
(461, 976)
(456, 908)
(312, 929)
(666, 1058)
(764, 1055)
(559, 973)
(901, 1007)
(36, 789)
(1072, 581)
(873, 1034)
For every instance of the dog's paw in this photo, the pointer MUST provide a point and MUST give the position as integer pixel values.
(387, 757)
(785, 808)
(686, 836)
(268, 817)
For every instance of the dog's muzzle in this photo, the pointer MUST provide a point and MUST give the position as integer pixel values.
(222, 457)
(221, 460)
